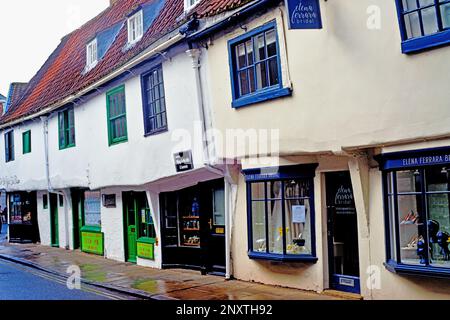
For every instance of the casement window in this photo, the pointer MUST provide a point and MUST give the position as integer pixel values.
(66, 125)
(9, 146)
(117, 116)
(280, 210)
(423, 23)
(255, 67)
(91, 209)
(154, 103)
(91, 54)
(26, 142)
(135, 27)
(417, 211)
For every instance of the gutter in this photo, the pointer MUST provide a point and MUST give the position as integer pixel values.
(240, 14)
(140, 58)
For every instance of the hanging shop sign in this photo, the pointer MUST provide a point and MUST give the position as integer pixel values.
(92, 242)
(183, 161)
(109, 201)
(146, 250)
(304, 14)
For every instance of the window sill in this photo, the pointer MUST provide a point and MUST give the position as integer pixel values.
(404, 269)
(282, 258)
(261, 96)
(92, 229)
(146, 240)
(67, 147)
(118, 141)
(426, 42)
(156, 132)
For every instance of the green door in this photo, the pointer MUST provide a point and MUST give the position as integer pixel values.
(54, 229)
(130, 227)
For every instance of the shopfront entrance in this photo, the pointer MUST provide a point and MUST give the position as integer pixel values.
(342, 233)
(54, 226)
(23, 226)
(139, 229)
(193, 228)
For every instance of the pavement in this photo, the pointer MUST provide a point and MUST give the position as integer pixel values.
(142, 282)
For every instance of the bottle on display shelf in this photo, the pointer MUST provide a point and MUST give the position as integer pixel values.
(195, 208)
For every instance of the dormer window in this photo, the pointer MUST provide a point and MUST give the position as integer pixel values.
(91, 54)
(135, 27)
(189, 4)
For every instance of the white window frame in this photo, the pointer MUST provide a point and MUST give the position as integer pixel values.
(91, 54)
(188, 6)
(135, 30)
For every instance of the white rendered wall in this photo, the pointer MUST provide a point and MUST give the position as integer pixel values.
(43, 216)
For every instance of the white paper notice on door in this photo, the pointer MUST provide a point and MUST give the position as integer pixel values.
(298, 214)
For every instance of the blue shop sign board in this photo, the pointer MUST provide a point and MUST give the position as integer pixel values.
(304, 14)
(417, 158)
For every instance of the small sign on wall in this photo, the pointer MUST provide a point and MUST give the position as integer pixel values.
(109, 200)
(304, 14)
(146, 250)
(183, 161)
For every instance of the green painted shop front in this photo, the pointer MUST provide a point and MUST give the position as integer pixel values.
(87, 232)
(138, 227)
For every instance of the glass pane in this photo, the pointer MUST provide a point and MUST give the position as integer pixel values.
(298, 222)
(445, 13)
(412, 25)
(271, 43)
(295, 189)
(437, 179)
(261, 75)
(252, 82)
(392, 232)
(408, 181)
(412, 230)
(92, 201)
(219, 207)
(424, 3)
(249, 46)
(274, 190)
(275, 227)
(429, 19)
(259, 226)
(439, 229)
(240, 55)
(409, 4)
(243, 83)
(258, 191)
(260, 48)
(273, 72)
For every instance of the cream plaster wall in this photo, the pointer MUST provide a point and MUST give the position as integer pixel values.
(351, 86)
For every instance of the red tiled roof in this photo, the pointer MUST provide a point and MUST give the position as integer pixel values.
(62, 75)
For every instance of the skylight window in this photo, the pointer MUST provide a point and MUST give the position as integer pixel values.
(135, 27)
(91, 54)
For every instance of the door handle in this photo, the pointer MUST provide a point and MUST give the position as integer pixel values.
(210, 224)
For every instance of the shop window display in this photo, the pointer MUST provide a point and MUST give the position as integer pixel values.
(280, 218)
(418, 200)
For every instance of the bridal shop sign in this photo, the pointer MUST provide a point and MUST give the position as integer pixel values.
(304, 14)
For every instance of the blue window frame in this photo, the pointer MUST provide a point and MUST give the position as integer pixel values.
(416, 188)
(255, 67)
(423, 24)
(154, 102)
(281, 218)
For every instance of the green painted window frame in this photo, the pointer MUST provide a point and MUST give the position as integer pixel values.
(65, 125)
(110, 119)
(26, 142)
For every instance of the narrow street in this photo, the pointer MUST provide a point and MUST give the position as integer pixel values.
(19, 282)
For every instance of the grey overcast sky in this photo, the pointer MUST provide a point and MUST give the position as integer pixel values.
(31, 29)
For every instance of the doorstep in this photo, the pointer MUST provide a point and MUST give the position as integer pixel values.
(342, 294)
